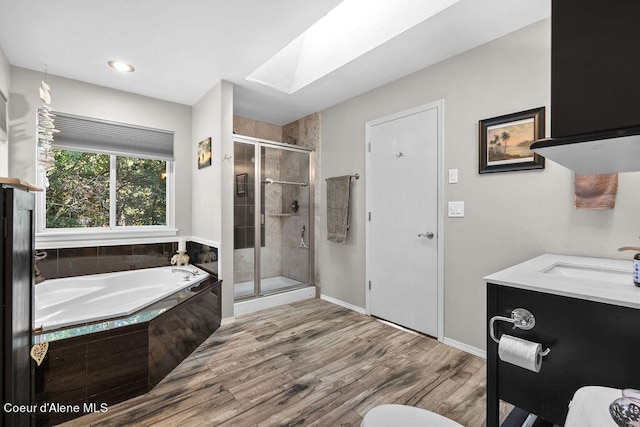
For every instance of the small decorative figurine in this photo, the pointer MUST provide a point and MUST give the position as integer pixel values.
(181, 258)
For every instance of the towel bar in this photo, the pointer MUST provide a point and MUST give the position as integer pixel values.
(356, 176)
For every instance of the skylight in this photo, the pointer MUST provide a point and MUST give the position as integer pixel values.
(350, 30)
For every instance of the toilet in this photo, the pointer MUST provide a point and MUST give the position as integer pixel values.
(406, 416)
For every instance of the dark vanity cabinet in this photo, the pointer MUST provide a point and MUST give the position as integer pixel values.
(592, 343)
(16, 255)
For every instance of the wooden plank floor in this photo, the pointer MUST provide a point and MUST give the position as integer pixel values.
(308, 363)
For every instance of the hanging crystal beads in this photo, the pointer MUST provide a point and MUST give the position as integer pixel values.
(46, 130)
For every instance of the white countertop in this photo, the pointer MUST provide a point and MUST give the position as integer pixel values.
(539, 274)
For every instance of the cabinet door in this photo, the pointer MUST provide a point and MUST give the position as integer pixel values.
(17, 280)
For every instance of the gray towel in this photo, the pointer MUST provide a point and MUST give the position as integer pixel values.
(338, 189)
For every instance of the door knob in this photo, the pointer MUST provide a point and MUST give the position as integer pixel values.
(428, 235)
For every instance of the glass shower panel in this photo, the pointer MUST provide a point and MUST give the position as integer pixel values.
(244, 223)
(285, 253)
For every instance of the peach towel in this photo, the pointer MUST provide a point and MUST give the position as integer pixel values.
(596, 192)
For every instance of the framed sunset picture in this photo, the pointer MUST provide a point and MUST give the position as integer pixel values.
(505, 141)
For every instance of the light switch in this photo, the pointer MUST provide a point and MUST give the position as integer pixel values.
(456, 209)
(453, 176)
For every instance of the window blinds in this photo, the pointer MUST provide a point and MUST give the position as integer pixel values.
(101, 136)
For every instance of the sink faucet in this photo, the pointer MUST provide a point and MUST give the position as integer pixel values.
(188, 273)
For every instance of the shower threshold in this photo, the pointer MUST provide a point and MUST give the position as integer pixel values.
(276, 299)
(268, 285)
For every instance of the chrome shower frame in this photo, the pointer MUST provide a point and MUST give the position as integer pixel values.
(258, 218)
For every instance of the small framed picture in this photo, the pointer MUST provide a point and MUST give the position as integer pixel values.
(241, 184)
(505, 141)
(204, 153)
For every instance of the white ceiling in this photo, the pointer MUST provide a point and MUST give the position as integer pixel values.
(181, 49)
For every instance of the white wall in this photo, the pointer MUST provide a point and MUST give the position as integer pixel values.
(212, 191)
(5, 85)
(74, 97)
(509, 217)
(206, 210)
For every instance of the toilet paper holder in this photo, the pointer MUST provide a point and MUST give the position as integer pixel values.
(521, 318)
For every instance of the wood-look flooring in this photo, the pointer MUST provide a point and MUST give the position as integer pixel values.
(310, 363)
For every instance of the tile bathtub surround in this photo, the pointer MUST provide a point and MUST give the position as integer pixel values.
(204, 256)
(114, 365)
(68, 262)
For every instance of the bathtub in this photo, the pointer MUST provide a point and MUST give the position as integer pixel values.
(84, 299)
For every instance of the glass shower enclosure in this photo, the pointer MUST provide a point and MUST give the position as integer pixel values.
(273, 230)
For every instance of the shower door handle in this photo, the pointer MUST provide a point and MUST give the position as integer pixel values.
(428, 235)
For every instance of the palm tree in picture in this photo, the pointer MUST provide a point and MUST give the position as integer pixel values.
(505, 136)
(494, 144)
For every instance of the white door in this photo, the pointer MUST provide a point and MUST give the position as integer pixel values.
(402, 198)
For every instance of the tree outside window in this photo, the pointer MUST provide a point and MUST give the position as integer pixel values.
(83, 186)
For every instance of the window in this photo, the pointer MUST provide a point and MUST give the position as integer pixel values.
(141, 193)
(108, 177)
(79, 192)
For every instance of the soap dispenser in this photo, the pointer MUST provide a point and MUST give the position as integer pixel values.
(636, 262)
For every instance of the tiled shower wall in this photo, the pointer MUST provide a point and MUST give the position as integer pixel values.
(244, 197)
(295, 169)
(244, 216)
(68, 262)
(306, 133)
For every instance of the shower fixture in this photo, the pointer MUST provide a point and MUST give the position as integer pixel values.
(302, 243)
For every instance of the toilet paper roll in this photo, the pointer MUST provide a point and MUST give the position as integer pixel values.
(519, 352)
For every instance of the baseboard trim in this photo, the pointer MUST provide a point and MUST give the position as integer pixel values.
(228, 320)
(343, 304)
(465, 347)
(447, 341)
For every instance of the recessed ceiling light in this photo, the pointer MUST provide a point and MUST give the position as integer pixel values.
(123, 67)
(347, 32)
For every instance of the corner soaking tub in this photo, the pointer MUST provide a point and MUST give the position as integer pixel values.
(85, 299)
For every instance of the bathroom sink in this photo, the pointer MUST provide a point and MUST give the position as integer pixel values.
(604, 280)
(603, 274)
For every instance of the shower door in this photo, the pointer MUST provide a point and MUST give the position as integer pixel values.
(278, 214)
(244, 220)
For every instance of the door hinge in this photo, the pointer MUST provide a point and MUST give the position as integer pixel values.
(369, 216)
(369, 284)
(369, 147)
(5, 228)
